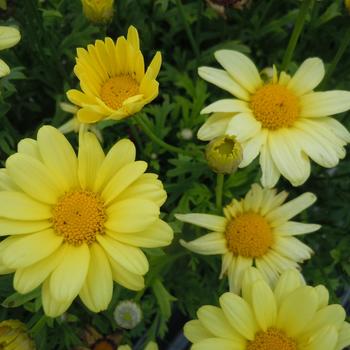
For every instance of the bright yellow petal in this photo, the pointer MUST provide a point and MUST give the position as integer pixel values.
(33, 178)
(159, 234)
(131, 215)
(215, 321)
(154, 67)
(68, 278)
(266, 311)
(122, 153)
(194, 331)
(297, 310)
(97, 289)
(130, 258)
(15, 227)
(27, 250)
(122, 179)
(239, 314)
(6, 183)
(28, 278)
(126, 278)
(16, 205)
(59, 156)
(90, 158)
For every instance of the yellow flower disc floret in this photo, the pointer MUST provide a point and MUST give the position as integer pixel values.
(249, 235)
(275, 106)
(272, 339)
(79, 216)
(118, 89)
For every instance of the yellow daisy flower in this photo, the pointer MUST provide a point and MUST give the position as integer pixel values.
(292, 316)
(254, 231)
(76, 223)
(113, 79)
(283, 120)
(98, 11)
(14, 336)
(9, 37)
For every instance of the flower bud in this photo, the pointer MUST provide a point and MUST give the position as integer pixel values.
(220, 6)
(98, 11)
(224, 154)
(14, 335)
(127, 314)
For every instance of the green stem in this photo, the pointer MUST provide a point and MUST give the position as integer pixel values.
(341, 50)
(299, 25)
(155, 138)
(218, 190)
(187, 28)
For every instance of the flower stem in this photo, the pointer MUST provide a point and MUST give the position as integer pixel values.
(299, 25)
(341, 50)
(218, 190)
(155, 138)
(187, 28)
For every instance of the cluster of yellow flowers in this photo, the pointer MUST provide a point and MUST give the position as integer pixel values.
(77, 222)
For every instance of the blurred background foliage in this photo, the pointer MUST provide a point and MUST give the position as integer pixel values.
(178, 281)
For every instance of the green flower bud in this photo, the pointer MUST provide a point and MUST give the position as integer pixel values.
(224, 154)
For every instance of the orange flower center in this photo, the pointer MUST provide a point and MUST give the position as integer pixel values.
(117, 89)
(79, 216)
(275, 106)
(272, 339)
(249, 235)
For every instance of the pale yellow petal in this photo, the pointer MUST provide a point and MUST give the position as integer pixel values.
(209, 244)
(96, 292)
(236, 271)
(244, 126)
(4, 68)
(292, 248)
(211, 222)
(325, 103)
(68, 278)
(241, 68)
(224, 81)
(29, 147)
(9, 37)
(307, 77)
(343, 336)
(323, 296)
(27, 250)
(290, 209)
(270, 173)
(215, 125)
(292, 228)
(325, 339)
(6, 183)
(252, 147)
(227, 106)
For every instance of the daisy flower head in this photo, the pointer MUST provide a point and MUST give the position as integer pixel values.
(283, 119)
(113, 80)
(291, 316)
(254, 231)
(76, 223)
